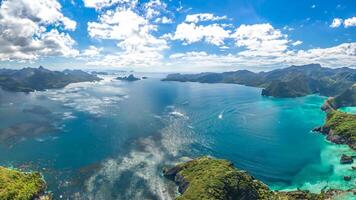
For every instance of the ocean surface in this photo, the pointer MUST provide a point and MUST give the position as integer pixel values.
(110, 139)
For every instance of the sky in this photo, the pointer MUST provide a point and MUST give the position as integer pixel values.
(177, 36)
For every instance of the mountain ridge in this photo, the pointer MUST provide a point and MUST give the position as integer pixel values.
(38, 79)
(293, 81)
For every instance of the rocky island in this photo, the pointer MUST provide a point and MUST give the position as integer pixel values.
(215, 179)
(22, 185)
(39, 79)
(294, 81)
(129, 78)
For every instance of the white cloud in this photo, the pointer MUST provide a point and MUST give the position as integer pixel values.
(134, 36)
(296, 43)
(153, 8)
(164, 20)
(30, 29)
(336, 23)
(195, 18)
(260, 39)
(350, 22)
(191, 33)
(91, 51)
(100, 4)
(313, 6)
(337, 56)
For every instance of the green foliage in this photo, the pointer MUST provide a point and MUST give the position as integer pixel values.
(20, 185)
(217, 179)
(342, 124)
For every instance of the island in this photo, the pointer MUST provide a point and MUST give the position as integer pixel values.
(15, 184)
(39, 79)
(216, 179)
(294, 81)
(129, 78)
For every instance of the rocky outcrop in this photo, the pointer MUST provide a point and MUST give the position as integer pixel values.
(345, 159)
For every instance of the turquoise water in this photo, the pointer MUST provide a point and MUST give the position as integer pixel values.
(351, 110)
(110, 140)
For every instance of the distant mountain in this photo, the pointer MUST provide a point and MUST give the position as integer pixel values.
(294, 81)
(31, 79)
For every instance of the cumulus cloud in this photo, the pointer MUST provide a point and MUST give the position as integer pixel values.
(260, 39)
(134, 35)
(336, 23)
(349, 22)
(190, 31)
(30, 29)
(91, 51)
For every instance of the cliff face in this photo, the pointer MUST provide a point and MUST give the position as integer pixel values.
(214, 179)
(293, 81)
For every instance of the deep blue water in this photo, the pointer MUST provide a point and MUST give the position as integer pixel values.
(110, 140)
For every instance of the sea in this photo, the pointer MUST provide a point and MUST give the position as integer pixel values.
(111, 139)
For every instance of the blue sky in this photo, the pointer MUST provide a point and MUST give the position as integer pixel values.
(187, 35)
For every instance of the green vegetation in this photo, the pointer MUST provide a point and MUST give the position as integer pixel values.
(342, 125)
(20, 185)
(218, 179)
(213, 179)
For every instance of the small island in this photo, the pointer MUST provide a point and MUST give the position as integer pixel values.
(129, 78)
(215, 179)
(22, 185)
(39, 79)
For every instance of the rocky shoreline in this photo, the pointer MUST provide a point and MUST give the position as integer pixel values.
(209, 178)
(339, 127)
